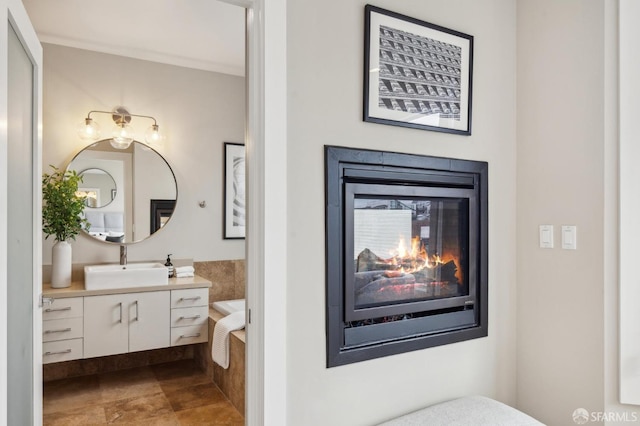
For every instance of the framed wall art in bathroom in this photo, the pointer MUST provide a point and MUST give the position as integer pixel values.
(234, 195)
(416, 74)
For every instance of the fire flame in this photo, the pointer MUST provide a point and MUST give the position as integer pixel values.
(416, 259)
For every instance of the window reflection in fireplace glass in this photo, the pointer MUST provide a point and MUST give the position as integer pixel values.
(408, 250)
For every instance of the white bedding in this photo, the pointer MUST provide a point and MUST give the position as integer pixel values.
(468, 411)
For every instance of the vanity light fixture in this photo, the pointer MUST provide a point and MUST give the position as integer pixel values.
(89, 130)
(123, 133)
(153, 135)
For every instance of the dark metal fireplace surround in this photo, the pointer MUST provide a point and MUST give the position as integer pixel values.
(406, 250)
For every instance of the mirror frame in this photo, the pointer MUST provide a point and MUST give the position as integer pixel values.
(152, 219)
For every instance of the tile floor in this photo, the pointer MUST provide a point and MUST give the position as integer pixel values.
(176, 393)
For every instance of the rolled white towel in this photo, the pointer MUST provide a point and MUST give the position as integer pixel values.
(184, 274)
(181, 269)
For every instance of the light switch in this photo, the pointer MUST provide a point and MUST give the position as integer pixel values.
(569, 237)
(546, 236)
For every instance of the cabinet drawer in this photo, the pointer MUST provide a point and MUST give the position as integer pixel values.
(71, 307)
(190, 297)
(63, 350)
(188, 335)
(61, 329)
(189, 316)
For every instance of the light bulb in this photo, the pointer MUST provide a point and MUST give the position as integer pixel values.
(152, 135)
(89, 130)
(123, 135)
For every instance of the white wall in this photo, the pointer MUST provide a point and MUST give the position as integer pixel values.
(325, 61)
(561, 176)
(197, 110)
(622, 354)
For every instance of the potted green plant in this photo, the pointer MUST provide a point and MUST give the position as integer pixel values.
(62, 217)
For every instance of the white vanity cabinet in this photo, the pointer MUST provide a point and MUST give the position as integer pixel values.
(62, 330)
(120, 323)
(83, 323)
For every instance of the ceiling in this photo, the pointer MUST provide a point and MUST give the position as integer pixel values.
(201, 34)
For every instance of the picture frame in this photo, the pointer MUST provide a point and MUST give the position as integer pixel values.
(234, 191)
(416, 74)
(160, 213)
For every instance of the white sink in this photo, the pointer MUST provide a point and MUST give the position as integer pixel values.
(98, 277)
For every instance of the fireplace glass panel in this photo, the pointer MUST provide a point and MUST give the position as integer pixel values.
(409, 249)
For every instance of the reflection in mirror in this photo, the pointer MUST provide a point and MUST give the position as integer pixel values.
(161, 211)
(98, 187)
(125, 213)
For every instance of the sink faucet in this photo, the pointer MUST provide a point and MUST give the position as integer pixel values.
(123, 254)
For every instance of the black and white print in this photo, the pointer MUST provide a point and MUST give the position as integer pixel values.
(417, 74)
(238, 190)
(234, 191)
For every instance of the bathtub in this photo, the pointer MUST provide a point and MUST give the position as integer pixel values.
(227, 307)
(232, 380)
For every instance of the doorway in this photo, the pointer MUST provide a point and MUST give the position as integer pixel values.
(265, 285)
(65, 150)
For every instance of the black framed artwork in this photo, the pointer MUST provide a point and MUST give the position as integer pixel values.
(161, 211)
(234, 191)
(416, 74)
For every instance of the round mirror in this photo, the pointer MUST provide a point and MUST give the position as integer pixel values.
(131, 193)
(98, 187)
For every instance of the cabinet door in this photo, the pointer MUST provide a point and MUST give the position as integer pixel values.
(149, 320)
(106, 325)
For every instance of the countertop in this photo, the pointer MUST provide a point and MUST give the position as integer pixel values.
(77, 288)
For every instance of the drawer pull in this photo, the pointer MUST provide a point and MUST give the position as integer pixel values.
(184, 299)
(191, 317)
(61, 330)
(190, 335)
(137, 318)
(68, 308)
(68, 351)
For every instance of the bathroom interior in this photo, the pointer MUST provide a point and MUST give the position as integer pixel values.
(199, 106)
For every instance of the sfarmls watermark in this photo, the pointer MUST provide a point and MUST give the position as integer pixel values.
(582, 416)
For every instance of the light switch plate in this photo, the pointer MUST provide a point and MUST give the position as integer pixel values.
(569, 237)
(546, 236)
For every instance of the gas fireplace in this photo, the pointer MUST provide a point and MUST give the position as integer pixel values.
(406, 240)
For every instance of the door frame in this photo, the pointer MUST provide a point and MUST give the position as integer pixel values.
(14, 14)
(266, 241)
